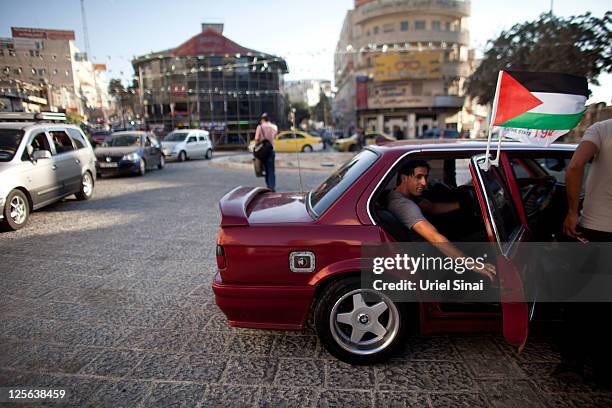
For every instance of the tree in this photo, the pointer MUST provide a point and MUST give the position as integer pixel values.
(322, 110)
(579, 45)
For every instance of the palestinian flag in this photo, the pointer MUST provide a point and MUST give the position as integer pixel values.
(539, 100)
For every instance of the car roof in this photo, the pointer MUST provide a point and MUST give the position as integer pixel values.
(459, 144)
(32, 125)
(130, 132)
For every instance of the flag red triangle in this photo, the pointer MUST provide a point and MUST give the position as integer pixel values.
(513, 99)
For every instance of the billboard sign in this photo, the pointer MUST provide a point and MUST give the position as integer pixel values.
(407, 65)
(383, 97)
(26, 32)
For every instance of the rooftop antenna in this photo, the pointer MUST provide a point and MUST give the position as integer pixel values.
(85, 34)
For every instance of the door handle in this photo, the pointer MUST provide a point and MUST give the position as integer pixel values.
(54, 167)
(78, 161)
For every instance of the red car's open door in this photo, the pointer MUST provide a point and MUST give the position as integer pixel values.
(508, 231)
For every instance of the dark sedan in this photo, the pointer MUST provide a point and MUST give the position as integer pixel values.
(130, 152)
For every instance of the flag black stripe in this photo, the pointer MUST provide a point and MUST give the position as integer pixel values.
(553, 82)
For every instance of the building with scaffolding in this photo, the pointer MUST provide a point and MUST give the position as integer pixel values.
(210, 82)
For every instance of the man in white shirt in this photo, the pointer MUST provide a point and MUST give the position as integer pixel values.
(586, 328)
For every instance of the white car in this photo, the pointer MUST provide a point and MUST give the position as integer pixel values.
(187, 144)
(41, 162)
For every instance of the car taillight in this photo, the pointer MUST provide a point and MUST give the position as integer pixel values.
(220, 257)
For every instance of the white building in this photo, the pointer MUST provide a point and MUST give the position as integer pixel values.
(307, 91)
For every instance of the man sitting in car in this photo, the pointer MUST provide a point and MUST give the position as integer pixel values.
(402, 203)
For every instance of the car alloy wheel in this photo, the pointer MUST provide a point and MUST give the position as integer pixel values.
(362, 327)
(162, 162)
(16, 211)
(182, 156)
(87, 187)
(358, 325)
(142, 168)
(209, 154)
(307, 149)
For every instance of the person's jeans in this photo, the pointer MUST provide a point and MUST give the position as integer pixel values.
(269, 169)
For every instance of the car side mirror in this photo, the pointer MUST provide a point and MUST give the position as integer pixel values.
(41, 154)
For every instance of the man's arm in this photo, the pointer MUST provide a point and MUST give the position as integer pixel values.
(573, 184)
(430, 233)
(438, 208)
(258, 134)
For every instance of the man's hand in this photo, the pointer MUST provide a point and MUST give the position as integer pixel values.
(487, 270)
(569, 225)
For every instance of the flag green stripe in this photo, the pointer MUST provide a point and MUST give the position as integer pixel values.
(544, 121)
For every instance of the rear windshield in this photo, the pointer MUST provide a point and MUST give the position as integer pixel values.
(322, 197)
(9, 142)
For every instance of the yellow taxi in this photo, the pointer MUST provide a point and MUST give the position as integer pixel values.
(294, 141)
(349, 144)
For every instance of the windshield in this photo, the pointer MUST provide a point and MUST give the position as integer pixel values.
(322, 197)
(9, 142)
(175, 137)
(124, 140)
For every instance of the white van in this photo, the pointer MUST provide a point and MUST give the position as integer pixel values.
(187, 144)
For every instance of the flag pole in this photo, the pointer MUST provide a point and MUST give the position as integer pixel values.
(488, 162)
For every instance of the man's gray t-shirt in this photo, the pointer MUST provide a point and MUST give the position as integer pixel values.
(404, 209)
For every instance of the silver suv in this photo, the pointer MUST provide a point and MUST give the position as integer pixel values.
(41, 162)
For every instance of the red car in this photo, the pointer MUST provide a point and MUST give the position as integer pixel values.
(283, 256)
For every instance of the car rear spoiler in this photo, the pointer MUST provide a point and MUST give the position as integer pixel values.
(233, 205)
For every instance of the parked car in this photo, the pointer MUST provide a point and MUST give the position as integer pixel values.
(129, 152)
(294, 141)
(41, 162)
(350, 144)
(264, 236)
(437, 133)
(187, 144)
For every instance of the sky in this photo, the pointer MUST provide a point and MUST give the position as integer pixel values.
(304, 32)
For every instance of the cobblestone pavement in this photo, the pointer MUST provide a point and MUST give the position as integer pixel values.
(111, 300)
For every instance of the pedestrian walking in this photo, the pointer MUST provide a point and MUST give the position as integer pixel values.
(586, 334)
(265, 133)
(361, 140)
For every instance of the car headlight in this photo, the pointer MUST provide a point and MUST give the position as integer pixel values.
(131, 157)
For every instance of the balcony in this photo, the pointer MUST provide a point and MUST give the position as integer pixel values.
(454, 8)
(414, 36)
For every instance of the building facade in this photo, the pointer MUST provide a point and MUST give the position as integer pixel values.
(307, 91)
(44, 63)
(401, 64)
(213, 83)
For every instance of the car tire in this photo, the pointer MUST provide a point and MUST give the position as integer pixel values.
(352, 148)
(337, 306)
(209, 154)
(142, 167)
(182, 156)
(307, 149)
(16, 211)
(87, 187)
(162, 162)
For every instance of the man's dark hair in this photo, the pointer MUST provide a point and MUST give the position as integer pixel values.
(408, 168)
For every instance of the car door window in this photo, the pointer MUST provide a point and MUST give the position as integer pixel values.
(77, 138)
(201, 139)
(61, 141)
(38, 142)
(191, 139)
(147, 142)
(504, 215)
(154, 142)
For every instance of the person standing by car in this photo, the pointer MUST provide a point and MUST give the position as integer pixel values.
(267, 131)
(361, 139)
(584, 327)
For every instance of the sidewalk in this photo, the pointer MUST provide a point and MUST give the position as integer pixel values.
(316, 161)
